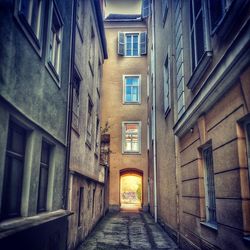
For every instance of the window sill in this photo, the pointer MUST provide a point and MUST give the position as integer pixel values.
(53, 73)
(79, 31)
(91, 68)
(200, 69)
(132, 56)
(131, 103)
(76, 130)
(11, 226)
(88, 144)
(210, 225)
(131, 153)
(167, 112)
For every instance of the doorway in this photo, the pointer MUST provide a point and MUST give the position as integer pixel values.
(130, 189)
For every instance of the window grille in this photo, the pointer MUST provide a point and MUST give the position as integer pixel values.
(209, 186)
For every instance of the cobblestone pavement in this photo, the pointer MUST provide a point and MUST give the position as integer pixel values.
(128, 230)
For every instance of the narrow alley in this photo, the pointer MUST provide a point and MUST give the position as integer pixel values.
(128, 230)
(124, 124)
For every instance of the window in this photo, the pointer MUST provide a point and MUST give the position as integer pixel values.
(164, 8)
(218, 9)
(166, 77)
(13, 175)
(131, 132)
(89, 121)
(80, 206)
(131, 89)
(76, 102)
(43, 177)
(93, 203)
(97, 135)
(132, 44)
(209, 185)
(31, 12)
(79, 18)
(92, 50)
(99, 79)
(55, 41)
(199, 40)
(197, 32)
(100, 201)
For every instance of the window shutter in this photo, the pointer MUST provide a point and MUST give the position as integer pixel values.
(145, 8)
(121, 43)
(143, 43)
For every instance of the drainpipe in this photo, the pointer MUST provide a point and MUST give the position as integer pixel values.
(154, 112)
(70, 101)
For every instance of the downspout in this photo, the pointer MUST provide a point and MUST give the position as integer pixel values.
(154, 113)
(70, 101)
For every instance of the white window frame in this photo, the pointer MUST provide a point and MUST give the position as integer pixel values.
(124, 133)
(124, 89)
(125, 44)
(35, 37)
(54, 70)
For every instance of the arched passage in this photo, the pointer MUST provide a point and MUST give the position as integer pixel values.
(131, 188)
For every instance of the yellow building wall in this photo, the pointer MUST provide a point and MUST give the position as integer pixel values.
(115, 112)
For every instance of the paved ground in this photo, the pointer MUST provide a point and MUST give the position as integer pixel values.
(128, 230)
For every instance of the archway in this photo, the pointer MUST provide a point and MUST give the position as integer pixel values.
(131, 189)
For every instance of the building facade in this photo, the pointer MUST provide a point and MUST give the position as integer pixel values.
(200, 96)
(86, 189)
(124, 109)
(35, 73)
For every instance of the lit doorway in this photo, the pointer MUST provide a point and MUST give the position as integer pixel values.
(130, 190)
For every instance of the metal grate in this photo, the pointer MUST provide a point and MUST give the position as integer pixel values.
(209, 185)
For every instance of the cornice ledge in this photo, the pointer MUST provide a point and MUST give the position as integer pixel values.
(222, 77)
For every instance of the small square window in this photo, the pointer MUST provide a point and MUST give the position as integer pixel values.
(131, 89)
